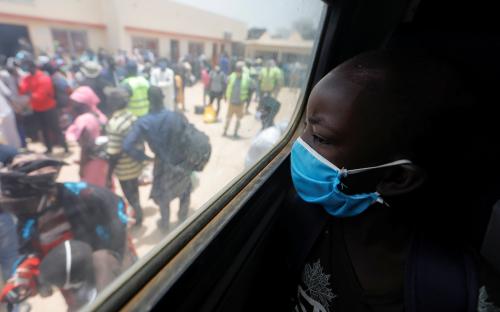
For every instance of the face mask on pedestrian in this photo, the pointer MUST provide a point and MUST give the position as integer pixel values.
(318, 181)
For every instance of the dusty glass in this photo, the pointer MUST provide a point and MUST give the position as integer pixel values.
(129, 117)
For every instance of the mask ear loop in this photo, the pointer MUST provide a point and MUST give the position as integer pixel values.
(67, 247)
(391, 164)
(344, 172)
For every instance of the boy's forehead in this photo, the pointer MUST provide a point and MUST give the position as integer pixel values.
(334, 91)
(345, 86)
(331, 105)
(337, 79)
(344, 106)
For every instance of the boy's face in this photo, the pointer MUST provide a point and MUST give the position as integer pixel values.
(347, 127)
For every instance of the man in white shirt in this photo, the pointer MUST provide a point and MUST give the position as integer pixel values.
(163, 77)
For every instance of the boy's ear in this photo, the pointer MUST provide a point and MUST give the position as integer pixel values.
(401, 180)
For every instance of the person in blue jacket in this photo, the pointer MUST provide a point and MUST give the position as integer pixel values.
(162, 130)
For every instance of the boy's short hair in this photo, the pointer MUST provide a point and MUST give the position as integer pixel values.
(434, 119)
(423, 96)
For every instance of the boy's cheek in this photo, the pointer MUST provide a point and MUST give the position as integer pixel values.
(329, 152)
(332, 153)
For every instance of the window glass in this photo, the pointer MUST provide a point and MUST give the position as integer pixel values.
(79, 41)
(196, 48)
(121, 120)
(145, 44)
(69, 41)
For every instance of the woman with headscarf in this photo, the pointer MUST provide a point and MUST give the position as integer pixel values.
(85, 129)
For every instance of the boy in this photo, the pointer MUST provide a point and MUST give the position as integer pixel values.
(384, 225)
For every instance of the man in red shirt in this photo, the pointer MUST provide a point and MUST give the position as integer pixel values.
(41, 92)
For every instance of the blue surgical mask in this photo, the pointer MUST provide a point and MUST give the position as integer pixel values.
(318, 181)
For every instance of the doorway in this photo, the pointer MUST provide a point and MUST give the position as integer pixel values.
(13, 38)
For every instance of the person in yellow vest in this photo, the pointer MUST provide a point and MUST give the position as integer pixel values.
(138, 87)
(271, 79)
(237, 91)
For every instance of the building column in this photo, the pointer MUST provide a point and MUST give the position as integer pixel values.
(209, 50)
(183, 48)
(115, 28)
(164, 48)
(41, 38)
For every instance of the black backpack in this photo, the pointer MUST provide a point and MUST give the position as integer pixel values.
(196, 147)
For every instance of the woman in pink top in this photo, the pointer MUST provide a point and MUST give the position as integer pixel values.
(85, 129)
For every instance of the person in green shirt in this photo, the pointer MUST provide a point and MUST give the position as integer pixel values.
(237, 93)
(270, 79)
(138, 87)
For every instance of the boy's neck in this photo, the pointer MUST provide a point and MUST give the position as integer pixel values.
(377, 242)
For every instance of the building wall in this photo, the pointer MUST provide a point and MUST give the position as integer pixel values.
(254, 51)
(40, 32)
(157, 15)
(97, 38)
(188, 24)
(70, 10)
(112, 23)
(183, 47)
(115, 36)
(41, 37)
(165, 47)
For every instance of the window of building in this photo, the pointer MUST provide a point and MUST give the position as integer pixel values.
(294, 57)
(144, 43)
(71, 41)
(196, 48)
(267, 55)
(238, 49)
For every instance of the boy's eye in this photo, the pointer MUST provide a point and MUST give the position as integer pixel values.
(319, 140)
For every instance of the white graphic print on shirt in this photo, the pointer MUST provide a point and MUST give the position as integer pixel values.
(484, 305)
(317, 295)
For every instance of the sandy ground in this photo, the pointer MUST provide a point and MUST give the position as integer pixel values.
(226, 163)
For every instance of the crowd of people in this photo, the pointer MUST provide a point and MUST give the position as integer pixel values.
(110, 106)
(56, 77)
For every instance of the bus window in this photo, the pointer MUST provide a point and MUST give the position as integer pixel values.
(122, 121)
